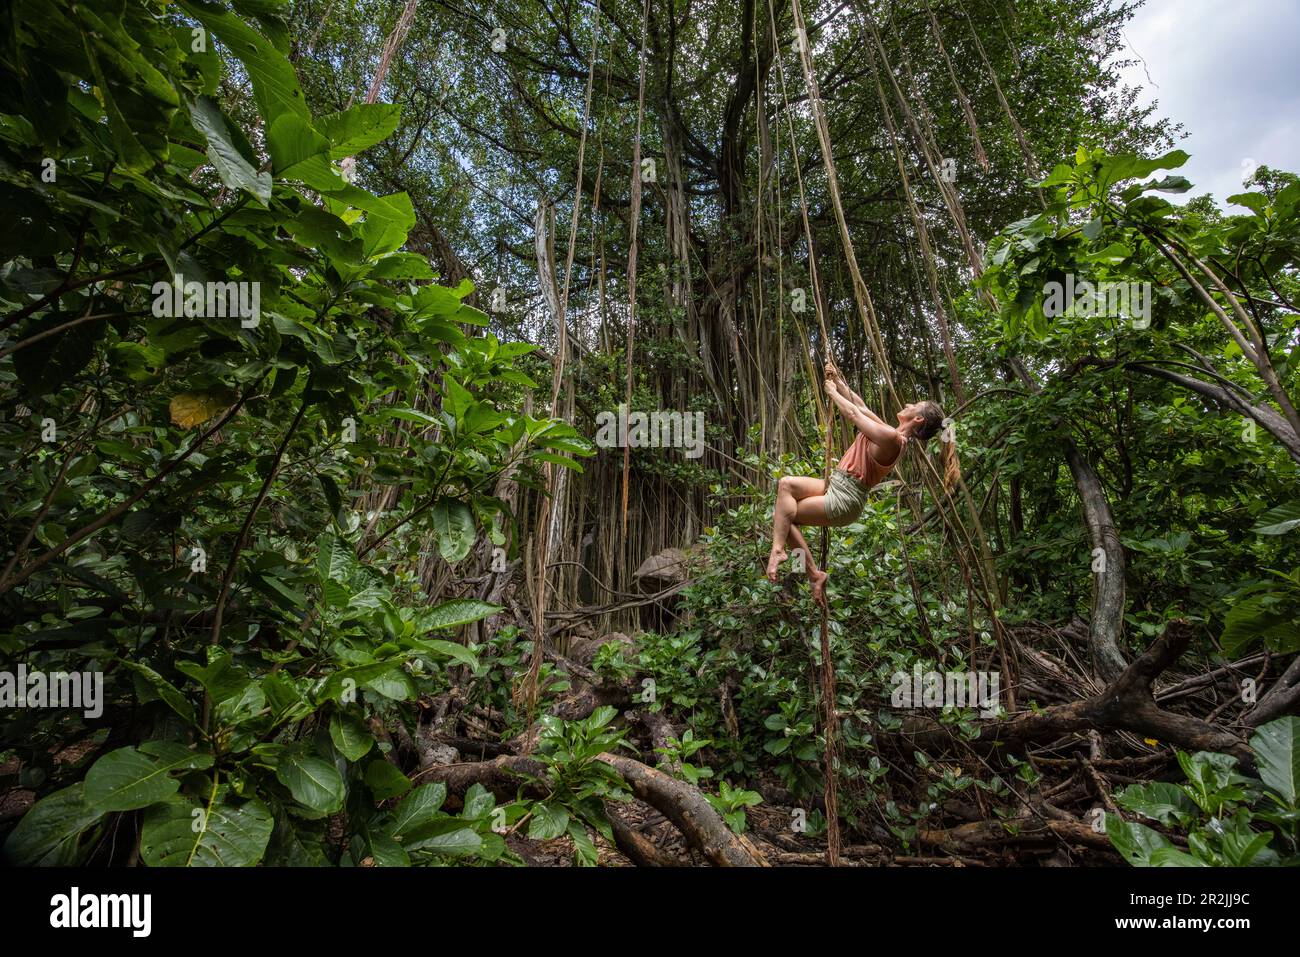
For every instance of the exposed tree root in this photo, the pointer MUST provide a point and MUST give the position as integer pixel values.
(501, 776)
(684, 805)
(1125, 705)
(638, 848)
(968, 836)
(992, 835)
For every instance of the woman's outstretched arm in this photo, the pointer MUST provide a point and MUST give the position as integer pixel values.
(852, 396)
(885, 436)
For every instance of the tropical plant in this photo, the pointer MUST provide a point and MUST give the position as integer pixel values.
(235, 414)
(578, 782)
(1227, 819)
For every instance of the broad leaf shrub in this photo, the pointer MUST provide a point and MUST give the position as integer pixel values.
(217, 495)
(1226, 818)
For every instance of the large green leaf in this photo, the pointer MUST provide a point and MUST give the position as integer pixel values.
(385, 781)
(297, 150)
(1135, 842)
(350, 735)
(458, 398)
(314, 783)
(1277, 753)
(235, 171)
(131, 778)
(1159, 800)
(550, 820)
(388, 220)
(479, 802)
(335, 558)
(335, 594)
(349, 679)
(1173, 857)
(184, 833)
(584, 847)
(359, 128)
(1266, 615)
(138, 99)
(48, 833)
(402, 266)
(1279, 520)
(386, 852)
(453, 524)
(275, 85)
(408, 415)
(165, 690)
(293, 845)
(396, 685)
(221, 678)
(416, 809)
(445, 836)
(457, 612)
(451, 650)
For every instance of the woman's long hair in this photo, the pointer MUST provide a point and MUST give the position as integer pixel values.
(932, 420)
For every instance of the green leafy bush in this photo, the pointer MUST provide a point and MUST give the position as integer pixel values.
(1229, 819)
(220, 501)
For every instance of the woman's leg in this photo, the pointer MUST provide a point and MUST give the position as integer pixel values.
(792, 492)
(816, 577)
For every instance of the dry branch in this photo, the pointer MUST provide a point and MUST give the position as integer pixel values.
(1125, 705)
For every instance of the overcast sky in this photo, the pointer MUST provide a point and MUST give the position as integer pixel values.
(1229, 71)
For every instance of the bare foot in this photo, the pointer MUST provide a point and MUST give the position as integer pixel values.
(818, 581)
(774, 563)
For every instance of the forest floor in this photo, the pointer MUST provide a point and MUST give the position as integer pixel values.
(1054, 780)
(1047, 818)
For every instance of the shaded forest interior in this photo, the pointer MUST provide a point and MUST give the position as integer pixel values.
(394, 393)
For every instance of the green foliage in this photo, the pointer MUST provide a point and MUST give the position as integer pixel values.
(1206, 506)
(1267, 610)
(237, 514)
(577, 781)
(418, 832)
(731, 803)
(249, 604)
(1229, 819)
(741, 634)
(678, 750)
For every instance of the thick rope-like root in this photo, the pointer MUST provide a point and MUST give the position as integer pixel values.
(636, 847)
(684, 805)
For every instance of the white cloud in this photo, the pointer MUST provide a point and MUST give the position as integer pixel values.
(1230, 73)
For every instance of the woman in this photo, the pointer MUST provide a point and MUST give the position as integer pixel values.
(810, 501)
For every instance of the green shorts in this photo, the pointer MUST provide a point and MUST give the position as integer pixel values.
(845, 497)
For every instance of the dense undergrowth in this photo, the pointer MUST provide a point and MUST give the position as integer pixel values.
(261, 525)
